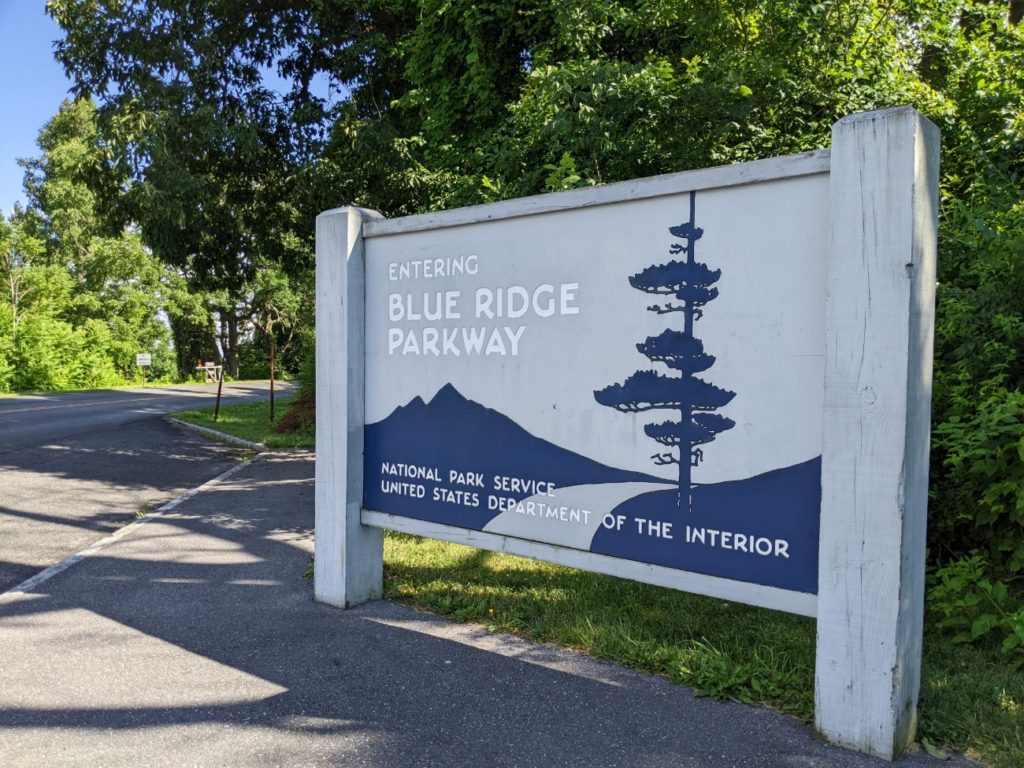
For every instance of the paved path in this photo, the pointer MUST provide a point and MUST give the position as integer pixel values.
(194, 640)
(76, 466)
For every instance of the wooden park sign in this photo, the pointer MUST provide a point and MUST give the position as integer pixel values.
(717, 381)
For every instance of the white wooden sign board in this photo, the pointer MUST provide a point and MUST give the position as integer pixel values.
(716, 381)
(143, 359)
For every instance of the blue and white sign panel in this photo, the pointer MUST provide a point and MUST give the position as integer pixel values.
(641, 380)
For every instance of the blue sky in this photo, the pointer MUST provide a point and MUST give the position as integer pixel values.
(32, 85)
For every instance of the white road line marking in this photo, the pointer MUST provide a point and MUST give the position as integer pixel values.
(31, 583)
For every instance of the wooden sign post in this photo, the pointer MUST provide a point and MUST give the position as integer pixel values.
(717, 381)
(878, 373)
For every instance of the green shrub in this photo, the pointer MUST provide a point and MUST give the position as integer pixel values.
(45, 353)
(307, 373)
(253, 361)
(982, 439)
(6, 350)
(975, 608)
(977, 484)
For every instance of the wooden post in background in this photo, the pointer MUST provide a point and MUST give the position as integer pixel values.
(220, 388)
(878, 358)
(348, 561)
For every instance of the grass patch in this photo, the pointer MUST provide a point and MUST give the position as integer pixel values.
(251, 421)
(971, 700)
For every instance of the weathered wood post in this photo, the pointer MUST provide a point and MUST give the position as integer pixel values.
(349, 556)
(879, 336)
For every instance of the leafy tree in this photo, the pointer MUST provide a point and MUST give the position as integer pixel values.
(213, 155)
(112, 278)
(80, 298)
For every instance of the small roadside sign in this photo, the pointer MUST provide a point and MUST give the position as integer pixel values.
(144, 358)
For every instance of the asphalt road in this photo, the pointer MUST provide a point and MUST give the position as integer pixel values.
(74, 467)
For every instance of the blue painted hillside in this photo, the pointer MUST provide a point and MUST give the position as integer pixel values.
(452, 432)
(783, 504)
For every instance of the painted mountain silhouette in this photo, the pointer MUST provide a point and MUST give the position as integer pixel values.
(453, 433)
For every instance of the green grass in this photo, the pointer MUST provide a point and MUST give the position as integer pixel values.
(251, 421)
(971, 700)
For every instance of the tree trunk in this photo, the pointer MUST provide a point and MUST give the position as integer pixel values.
(685, 467)
(273, 365)
(16, 295)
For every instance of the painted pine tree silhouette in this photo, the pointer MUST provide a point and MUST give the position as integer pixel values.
(690, 283)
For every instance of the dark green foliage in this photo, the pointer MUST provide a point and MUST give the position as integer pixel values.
(978, 407)
(307, 374)
(980, 486)
(974, 607)
(978, 446)
(208, 147)
(253, 361)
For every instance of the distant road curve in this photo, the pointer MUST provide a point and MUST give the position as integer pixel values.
(31, 420)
